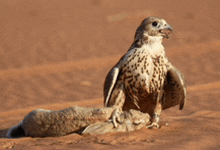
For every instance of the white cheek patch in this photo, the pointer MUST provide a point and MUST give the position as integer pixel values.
(154, 45)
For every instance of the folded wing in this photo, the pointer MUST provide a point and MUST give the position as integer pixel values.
(174, 89)
(110, 82)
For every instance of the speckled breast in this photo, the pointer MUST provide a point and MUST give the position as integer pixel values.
(143, 74)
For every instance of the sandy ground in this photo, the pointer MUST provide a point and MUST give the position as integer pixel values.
(55, 54)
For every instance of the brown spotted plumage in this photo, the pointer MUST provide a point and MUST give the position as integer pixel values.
(143, 79)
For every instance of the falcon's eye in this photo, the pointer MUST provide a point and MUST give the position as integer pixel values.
(154, 23)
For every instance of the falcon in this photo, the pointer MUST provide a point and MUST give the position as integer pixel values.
(144, 79)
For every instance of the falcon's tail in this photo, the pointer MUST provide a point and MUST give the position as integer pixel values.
(16, 131)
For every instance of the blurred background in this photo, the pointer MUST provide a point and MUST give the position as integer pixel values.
(57, 51)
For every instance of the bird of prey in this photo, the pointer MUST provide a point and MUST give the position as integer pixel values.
(144, 79)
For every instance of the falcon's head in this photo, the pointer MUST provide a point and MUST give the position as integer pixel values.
(153, 26)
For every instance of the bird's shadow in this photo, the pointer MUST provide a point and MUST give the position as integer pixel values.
(3, 133)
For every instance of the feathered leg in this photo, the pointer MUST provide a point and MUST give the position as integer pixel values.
(157, 111)
(117, 102)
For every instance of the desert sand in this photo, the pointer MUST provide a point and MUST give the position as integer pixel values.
(56, 54)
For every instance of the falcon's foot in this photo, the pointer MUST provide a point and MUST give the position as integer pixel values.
(116, 117)
(154, 123)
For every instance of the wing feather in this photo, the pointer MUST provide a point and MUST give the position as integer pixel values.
(110, 82)
(174, 89)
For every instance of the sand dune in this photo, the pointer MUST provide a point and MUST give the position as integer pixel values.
(56, 54)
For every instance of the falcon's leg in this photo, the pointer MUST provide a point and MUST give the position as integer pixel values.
(157, 111)
(117, 101)
(116, 117)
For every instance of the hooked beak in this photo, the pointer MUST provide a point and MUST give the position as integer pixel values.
(166, 34)
(169, 28)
